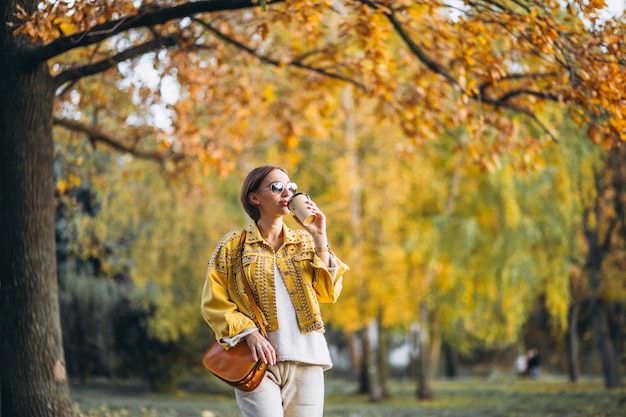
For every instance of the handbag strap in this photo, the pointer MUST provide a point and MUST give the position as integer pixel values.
(246, 285)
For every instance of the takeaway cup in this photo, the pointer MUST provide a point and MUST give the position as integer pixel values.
(297, 205)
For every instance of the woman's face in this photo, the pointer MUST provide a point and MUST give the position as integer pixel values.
(271, 201)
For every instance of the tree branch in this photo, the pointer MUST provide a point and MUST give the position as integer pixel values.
(518, 77)
(35, 54)
(441, 70)
(96, 135)
(532, 116)
(277, 63)
(433, 65)
(103, 65)
(522, 92)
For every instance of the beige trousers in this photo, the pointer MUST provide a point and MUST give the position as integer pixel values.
(289, 389)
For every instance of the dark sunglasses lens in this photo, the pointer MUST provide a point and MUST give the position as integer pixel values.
(292, 187)
(277, 187)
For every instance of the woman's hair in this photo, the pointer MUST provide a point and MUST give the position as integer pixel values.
(251, 184)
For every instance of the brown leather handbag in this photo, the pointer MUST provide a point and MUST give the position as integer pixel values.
(236, 366)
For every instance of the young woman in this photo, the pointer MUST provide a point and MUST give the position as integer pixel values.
(290, 272)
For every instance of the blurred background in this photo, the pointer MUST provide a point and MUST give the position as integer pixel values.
(455, 270)
(483, 239)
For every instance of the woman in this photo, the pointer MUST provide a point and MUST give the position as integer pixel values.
(290, 272)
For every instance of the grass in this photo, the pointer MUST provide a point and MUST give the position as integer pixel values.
(550, 397)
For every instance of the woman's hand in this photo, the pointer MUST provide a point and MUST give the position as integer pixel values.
(261, 348)
(317, 229)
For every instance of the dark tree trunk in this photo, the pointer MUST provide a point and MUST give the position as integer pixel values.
(605, 346)
(571, 336)
(383, 357)
(33, 380)
(423, 384)
(364, 385)
(602, 335)
(609, 212)
(618, 329)
(452, 360)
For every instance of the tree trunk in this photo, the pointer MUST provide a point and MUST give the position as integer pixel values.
(452, 360)
(33, 379)
(430, 351)
(356, 357)
(423, 382)
(430, 336)
(383, 357)
(609, 212)
(371, 349)
(618, 329)
(364, 384)
(605, 346)
(571, 336)
(434, 349)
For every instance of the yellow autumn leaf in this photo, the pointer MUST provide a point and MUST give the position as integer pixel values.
(68, 28)
(269, 93)
(62, 186)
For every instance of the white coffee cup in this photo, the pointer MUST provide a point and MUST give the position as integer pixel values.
(297, 205)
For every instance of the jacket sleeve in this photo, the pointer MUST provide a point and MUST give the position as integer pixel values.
(219, 308)
(327, 285)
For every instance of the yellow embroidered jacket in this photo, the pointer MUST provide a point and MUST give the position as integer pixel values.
(225, 306)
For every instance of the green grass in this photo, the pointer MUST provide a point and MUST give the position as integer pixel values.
(463, 398)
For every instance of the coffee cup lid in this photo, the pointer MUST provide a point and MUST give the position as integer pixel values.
(296, 194)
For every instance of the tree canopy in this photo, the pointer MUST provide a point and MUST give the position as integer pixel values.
(431, 65)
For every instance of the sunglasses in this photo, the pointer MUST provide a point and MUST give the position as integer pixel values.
(278, 187)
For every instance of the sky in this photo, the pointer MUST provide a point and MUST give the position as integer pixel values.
(615, 7)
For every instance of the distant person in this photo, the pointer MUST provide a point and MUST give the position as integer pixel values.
(521, 365)
(534, 364)
(290, 272)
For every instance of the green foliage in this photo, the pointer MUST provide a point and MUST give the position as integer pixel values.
(159, 234)
(86, 306)
(139, 353)
(106, 334)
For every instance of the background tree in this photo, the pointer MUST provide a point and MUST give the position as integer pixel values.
(604, 230)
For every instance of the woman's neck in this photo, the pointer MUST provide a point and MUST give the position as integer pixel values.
(271, 231)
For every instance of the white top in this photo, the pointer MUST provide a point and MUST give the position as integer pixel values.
(290, 343)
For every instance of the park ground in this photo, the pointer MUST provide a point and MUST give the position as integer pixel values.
(548, 397)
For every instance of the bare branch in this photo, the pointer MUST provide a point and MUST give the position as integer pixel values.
(515, 93)
(35, 53)
(97, 136)
(103, 65)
